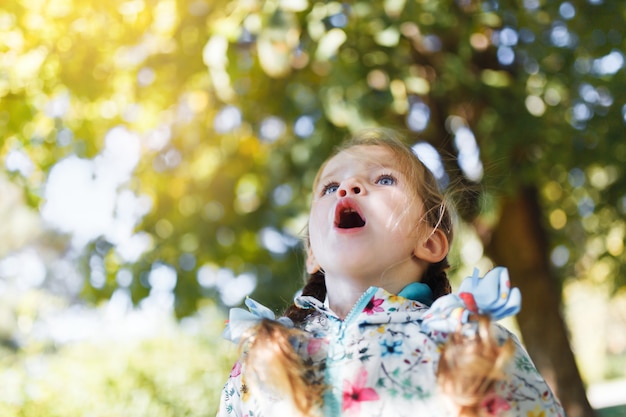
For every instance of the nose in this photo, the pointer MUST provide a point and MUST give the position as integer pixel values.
(350, 186)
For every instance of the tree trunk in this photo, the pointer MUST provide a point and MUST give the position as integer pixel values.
(519, 242)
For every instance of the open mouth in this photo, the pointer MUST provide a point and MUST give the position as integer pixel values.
(347, 216)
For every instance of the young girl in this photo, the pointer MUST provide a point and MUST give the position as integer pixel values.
(365, 337)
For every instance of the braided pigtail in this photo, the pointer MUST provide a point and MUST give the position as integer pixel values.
(272, 362)
(472, 358)
(315, 287)
(271, 358)
(436, 278)
(470, 366)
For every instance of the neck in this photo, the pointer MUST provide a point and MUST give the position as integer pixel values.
(343, 294)
(343, 291)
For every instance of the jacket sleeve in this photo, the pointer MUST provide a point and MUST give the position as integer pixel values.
(524, 391)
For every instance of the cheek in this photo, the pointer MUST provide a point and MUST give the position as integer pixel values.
(400, 213)
(318, 225)
(318, 216)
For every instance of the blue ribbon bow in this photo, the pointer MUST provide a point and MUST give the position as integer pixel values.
(240, 320)
(491, 295)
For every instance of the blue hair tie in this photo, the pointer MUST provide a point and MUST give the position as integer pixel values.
(491, 295)
(240, 320)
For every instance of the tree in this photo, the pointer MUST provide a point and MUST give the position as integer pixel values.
(234, 104)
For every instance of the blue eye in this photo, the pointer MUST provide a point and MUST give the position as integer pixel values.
(330, 188)
(386, 180)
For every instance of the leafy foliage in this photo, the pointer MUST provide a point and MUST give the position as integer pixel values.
(237, 102)
(173, 374)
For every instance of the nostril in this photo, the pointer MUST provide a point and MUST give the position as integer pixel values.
(356, 190)
(342, 192)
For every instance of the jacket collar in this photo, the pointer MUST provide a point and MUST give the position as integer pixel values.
(378, 305)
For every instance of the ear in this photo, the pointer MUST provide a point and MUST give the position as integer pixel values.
(434, 248)
(311, 263)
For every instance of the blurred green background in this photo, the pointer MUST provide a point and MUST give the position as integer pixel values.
(157, 158)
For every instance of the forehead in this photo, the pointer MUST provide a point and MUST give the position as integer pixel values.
(361, 156)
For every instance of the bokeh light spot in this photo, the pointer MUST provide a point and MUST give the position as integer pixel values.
(576, 177)
(227, 119)
(531, 4)
(418, 117)
(581, 112)
(479, 41)
(430, 158)
(506, 55)
(304, 126)
(19, 161)
(124, 278)
(163, 228)
(469, 153)
(609, 64)
(272, 128)
(535, 106)
(558, 219)
(560, 35)
(559, 256)
(273, 240)
(162, 277)
(508, 37)
(567, 10)
(282, 194)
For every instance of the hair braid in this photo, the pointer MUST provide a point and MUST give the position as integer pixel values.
(437, 278)
(273, 361)
(315, 287)
(470, 366)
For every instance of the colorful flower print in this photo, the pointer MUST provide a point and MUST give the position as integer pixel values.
(395, 299)
(391, 347)
(537, 412)
(494, 405)
(374, 306)
(314, 346)
(355, 394)
(236, 371)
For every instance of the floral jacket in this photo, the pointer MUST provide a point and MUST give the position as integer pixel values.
(382, 361)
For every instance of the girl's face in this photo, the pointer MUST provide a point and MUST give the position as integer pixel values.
(365, 215)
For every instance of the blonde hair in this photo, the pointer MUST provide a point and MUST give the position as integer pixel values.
(468, 367)
(271, 361)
